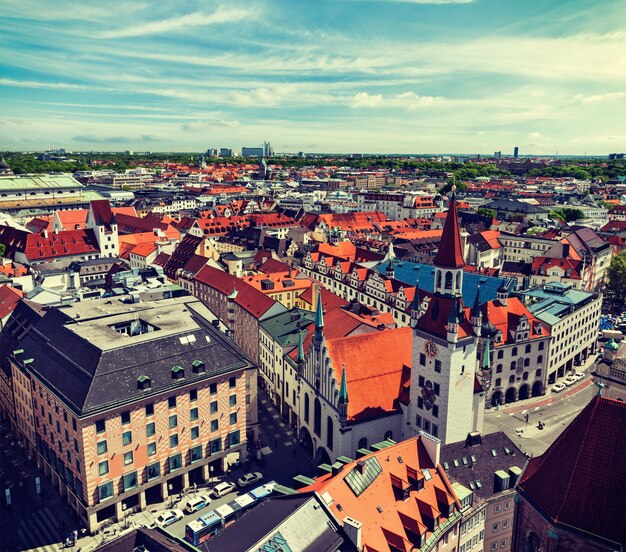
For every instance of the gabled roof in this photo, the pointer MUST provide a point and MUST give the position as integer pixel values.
(60, 244)
(102, 213)
(580, 481)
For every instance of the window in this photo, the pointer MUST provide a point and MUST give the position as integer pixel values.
(100, 427)
(102, 447)
(494, 546)
(125, 417)
(153, 471)
(511, 379)
(498, 382)
(232, 400)
(233, 418)
(422, 359)
(438, 366)
(420, 403)
(149, 409)
(435, 411)
(507, 505)
(105, 491)
(151, 448)
(514, 351)
(500, 354)
(195, 432)
(127, 438)
(213, 407)
(435, 431)
(150, 429)
(74, 424)
(75, 445)
(436, 388)
(215, 445)
(128, 457)
(505, 524)
(213, 389)
(497, 508)
(541, 346)
(503, 543)
(173, 421)
(418, 421)
(193, 395)
(232, 382)
(496, 527)
(193, 414)
(171, 402)
(130, 481)
(233, 438)
(174, 440)
(103, 467)
(195, 453)
(176, 461)
(421, 381)
(213, 425)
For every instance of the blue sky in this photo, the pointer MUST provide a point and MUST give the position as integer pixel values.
(315, 75)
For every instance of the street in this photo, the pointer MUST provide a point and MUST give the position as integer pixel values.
(555, 411)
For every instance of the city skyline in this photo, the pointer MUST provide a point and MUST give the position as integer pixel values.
(353, 75)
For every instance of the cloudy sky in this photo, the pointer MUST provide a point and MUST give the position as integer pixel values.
(403, 76)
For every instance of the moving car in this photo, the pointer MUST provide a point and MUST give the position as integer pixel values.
(168, 517)
(249, 479)
(197, 503)
(222, 489)
(558, 388)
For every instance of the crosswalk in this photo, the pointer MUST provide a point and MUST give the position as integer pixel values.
(39, 532)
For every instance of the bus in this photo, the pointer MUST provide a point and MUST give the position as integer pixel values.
(203, 528)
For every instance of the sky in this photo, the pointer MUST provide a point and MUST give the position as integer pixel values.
(370, 76)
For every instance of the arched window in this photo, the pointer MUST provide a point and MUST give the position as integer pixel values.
(458, 280)
(540, 359)
(306, 408)
(448, 280)
(329, 434)
(363, 443)
(498, 382)
(317, 418)
(541, 345)
(513, 365)
(439, 278)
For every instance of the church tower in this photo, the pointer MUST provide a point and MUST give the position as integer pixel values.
(444, 399)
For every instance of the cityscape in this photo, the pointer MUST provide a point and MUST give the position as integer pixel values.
(341, 276)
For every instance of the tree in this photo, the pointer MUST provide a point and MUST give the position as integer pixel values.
(3, 248)
(486, 212)
(615, 289)
(567, 214)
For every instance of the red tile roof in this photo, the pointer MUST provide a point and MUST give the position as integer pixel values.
(9, 298)
(580, 481)
(249, 298)
(60, 244)
(144, 249)
(390, 523)
(435, 319)
(450, 254)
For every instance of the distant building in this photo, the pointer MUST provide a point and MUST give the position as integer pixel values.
(516, 152)
(226, 152)
(613, 156)
(252, 152)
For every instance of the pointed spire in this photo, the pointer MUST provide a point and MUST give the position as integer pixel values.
(416, 304)
(453, 318)
(476, 312)
(343, 390)
(319, 316)
(450, 254)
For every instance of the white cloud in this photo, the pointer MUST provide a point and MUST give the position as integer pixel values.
(41, 84)
(363, 99)
(208, 124)
(413, 101)
(196, 19)
(534, 135)
(599, 97)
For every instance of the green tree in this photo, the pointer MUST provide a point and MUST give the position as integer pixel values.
(567, 214)
(3, 248)
(615, 289)
(486, 212)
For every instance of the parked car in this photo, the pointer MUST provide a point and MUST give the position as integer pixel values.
(249, 479)
(557, 388)
(197, 503)
(168, 517)
(578, 375)
(222, 489)
(570, 380)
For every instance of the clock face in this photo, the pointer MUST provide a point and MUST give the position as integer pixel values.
(430, 348)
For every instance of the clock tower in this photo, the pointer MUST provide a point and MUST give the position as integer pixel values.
(446, 399)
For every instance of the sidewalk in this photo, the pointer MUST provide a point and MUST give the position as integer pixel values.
(537, 402)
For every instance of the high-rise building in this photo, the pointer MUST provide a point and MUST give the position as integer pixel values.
(226, 152)
(497, 155)
(516, 152)
(268, 151)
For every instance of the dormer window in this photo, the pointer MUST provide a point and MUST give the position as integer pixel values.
(178, 372)
(198, 366)
(143, 383)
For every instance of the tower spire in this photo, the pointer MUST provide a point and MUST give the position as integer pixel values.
(450, 253)
(415, 305)
(342, 403)
(319, 316)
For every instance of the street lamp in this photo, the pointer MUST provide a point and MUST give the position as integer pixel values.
(170, 487)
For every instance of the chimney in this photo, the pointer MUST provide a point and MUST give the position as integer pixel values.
(45, 234)
(352, 529)
(432, 446)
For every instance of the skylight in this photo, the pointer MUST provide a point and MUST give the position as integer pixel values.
(427, 475)
(494, 453)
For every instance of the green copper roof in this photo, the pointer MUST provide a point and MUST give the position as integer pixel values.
(487, 355)
(611, 345)
(343, 391)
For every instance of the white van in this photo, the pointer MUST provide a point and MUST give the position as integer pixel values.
(222, 489)
(197, 503)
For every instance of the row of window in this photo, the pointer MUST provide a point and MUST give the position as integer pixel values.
(432, 429)
(153, 471)
(171, 402)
